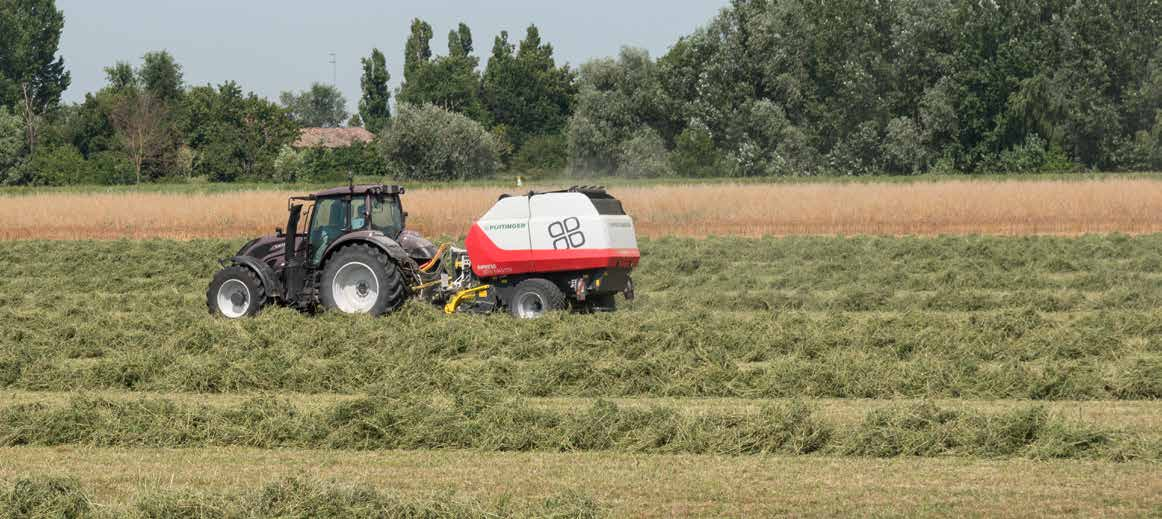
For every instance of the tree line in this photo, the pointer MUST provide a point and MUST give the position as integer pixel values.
(765, 88)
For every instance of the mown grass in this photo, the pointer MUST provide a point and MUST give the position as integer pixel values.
(43, 497)
(1123, 416)
(971, 317)
(493, 424)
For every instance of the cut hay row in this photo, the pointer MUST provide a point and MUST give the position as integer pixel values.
(1124, 205)
(115, 481)
(488, 423)
(290, 497)
(1136, 416)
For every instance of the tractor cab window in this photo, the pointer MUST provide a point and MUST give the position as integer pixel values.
(358, 213)
(328, 221)
(386, 215)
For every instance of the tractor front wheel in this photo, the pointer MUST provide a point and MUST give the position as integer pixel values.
(361, 280)
(235, 292)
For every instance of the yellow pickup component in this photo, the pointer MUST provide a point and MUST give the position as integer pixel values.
(466, 295)
(429, 284)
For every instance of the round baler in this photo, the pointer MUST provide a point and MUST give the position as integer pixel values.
(547, 251)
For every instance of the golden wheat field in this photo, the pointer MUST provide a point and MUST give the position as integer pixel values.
(1132, 206)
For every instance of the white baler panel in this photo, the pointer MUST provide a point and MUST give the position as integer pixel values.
(507, 223)
(622, 234)
(561, 221)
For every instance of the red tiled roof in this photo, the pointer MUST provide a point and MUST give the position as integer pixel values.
(332, 137)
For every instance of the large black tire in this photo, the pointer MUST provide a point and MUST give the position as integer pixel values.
(235, 292)
(533, 298)
(361, 279)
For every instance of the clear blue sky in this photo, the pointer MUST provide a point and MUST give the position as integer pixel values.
(269, 46)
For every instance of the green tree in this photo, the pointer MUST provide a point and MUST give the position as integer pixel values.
(524, 90)
(451, 82)
(135, 115)
(321, 106)
(121, 77)
(32, 76)
(644, 155)
(161, 76)
(695, 154)
(375, 105)
(11, 142)
(618, 101)
(417, 50)
(234, 135)
(460, 41)
(87, 126)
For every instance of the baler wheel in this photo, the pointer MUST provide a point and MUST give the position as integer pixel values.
(533, 298)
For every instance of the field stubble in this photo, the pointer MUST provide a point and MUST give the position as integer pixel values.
(1126, 205)
(620, 485)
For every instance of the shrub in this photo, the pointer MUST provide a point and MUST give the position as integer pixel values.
(695, 154)
(111, 168)
(542, 155)
(859, 153)
(644, 156)
(592, 147)
(53, 166)
(290, 165)
(1028, 157)
(904, 149)
(11, 141)
(431, 143)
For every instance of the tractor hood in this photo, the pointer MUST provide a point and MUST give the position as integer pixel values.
(268, 249)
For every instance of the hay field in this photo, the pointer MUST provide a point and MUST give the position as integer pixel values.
(1053, 207)
(814, 376)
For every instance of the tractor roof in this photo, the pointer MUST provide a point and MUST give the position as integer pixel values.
(375, 189)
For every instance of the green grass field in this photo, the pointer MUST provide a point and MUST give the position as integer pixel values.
(926, 367)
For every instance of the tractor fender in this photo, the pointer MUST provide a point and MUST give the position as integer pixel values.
(379, 240)
(262, 270)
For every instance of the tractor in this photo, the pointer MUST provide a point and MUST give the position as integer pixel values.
(352, 253)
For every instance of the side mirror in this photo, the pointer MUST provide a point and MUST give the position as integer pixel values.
(279, 232)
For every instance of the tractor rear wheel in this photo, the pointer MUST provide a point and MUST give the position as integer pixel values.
(361, 279)
(533, 298)
(235, 292)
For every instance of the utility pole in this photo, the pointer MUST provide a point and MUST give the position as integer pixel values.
(334, 71)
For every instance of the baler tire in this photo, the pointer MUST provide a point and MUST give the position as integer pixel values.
(533, 298)
(231, 284)
(357, 260)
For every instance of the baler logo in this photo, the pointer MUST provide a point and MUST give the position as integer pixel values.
(567, 234)
(504, 226)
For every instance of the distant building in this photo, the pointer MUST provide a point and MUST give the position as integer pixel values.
(332, 137)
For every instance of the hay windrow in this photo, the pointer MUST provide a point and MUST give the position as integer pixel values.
(293, 497)
(495, 424)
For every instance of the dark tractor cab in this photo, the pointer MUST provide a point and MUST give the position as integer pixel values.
(344, 248)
